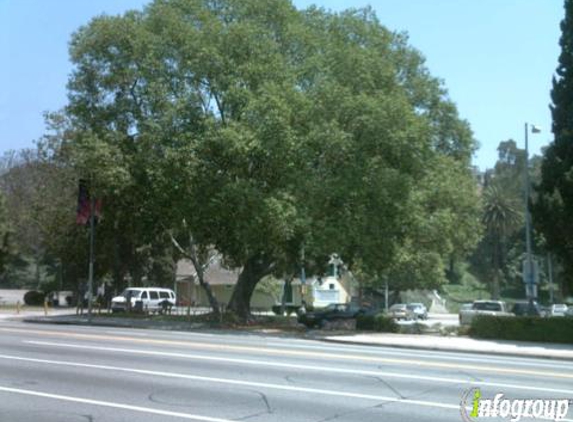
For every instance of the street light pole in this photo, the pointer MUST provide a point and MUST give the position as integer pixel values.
(529, 276)
(91, 263)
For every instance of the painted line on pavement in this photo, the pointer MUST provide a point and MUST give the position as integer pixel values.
(183, 333)
(385, 399)
(228, 381)
(112, 405)
(128, 333)
(429, 354)
(299, 353)
(302, 367)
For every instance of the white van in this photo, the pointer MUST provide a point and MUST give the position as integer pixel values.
(144, 299)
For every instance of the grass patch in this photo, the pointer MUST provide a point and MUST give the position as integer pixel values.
(209, 320)
(379, 323)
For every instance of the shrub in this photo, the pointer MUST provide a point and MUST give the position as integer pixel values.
(365, 322)
(415, 328)
(523, 328)
(34, 298)
(380, 322)
(386, 324)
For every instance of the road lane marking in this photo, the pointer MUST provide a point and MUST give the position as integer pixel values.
(302, 367)
(228, 381)
(298, 353)
(112, 405)
(182, 333)
(422, 403)
(381, 351)
(128, 333)
(377, 398)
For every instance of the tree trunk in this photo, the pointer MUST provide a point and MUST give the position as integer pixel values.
(200, 268)
(206, 286)
(256, 267)
(287, 286)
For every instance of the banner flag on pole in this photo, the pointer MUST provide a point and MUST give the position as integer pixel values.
(83, 212)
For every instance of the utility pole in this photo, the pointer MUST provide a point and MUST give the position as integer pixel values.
(528, 267)
(91, 265)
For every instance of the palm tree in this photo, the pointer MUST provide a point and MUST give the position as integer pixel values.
(500, 218)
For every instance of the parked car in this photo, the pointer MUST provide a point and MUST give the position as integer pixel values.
(527, 309)
(144, 299)
(558, 309)
(332, 312)
(400, 311)
(464, 307)
(483, 307)
(418, 310)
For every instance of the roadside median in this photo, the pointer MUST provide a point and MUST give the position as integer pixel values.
(457, 344)
(407, 341)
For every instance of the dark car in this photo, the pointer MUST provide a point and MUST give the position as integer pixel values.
(333, 312)
(527, 309)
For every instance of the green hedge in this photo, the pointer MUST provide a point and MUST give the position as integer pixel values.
(380, 322)
(34, 298)
(551, 330)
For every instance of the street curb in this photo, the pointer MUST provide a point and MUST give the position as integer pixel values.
(144, 325)
(171, 327)
(445, 349)
(158, 325)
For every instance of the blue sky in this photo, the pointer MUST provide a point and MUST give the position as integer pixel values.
(496, 58)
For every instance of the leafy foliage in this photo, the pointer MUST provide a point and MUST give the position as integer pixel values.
(500, 217)
(261, 131)
(40, 199)
(522, 328)
(498, 259)
(34, 298)
(381, 323)
(6, 249)
(554, 209)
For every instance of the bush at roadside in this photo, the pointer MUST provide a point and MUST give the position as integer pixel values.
(34, 298)
(523, 328)
(380, 322)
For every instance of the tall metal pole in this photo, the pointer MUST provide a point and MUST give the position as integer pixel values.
(91, 266)
(530, 292)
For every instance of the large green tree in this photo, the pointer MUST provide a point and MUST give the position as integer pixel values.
(503, 206)
(260, 131)
(444, 226)
(554, 209)
(40, 202)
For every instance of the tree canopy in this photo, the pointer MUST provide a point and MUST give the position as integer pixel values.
(264, 131)
(554, 209)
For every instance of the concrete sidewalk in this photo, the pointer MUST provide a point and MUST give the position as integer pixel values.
(458, 344)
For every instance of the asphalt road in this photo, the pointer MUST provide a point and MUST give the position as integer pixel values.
(54, 373)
